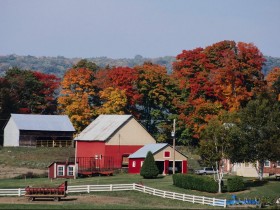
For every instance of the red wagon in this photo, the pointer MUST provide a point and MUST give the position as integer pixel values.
(56, 193)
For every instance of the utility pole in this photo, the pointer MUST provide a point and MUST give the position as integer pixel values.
(173, 135)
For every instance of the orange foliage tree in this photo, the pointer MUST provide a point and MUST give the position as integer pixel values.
(78, 97)
(273, 81)
(223, 76)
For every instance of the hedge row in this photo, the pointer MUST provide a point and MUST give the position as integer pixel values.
(194, 182)
(235, 184)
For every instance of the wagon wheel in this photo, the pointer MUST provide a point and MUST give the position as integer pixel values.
(31, 199)
(56, 198)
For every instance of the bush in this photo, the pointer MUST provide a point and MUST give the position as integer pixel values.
(235, 184)
(149, 169)
(194, 182)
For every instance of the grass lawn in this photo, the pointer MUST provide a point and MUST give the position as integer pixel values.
(133, 199)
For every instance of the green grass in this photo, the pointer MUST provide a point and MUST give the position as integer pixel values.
(39, 158)
(270, 188)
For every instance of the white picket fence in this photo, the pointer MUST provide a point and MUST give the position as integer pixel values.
(137, 187)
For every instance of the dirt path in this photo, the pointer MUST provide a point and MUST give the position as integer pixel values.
(68, 199)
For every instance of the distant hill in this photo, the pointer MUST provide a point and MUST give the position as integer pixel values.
(58, 65)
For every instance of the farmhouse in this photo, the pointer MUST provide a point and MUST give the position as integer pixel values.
(163, 155)
(108, 141)
(247, 169)
(38, 130)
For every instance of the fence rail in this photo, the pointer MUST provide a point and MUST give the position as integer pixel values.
(123, 187)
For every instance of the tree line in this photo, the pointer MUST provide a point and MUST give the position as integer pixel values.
(206, 88)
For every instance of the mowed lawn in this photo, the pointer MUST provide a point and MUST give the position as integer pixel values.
(128, 199)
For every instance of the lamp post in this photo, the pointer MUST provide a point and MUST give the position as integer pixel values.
(173, 135)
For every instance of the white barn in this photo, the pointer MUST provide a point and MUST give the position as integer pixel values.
(38, 130)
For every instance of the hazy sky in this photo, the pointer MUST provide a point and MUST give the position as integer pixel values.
(125, 28)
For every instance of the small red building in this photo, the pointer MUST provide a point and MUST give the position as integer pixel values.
(163, 155)
(61, 170)
(108, 141)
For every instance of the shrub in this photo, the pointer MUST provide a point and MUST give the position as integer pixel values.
(235, 184)
(194, 182)
(149, 168)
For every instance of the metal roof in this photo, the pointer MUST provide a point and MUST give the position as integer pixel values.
(42, 122)
(142, 152)
(103, 127)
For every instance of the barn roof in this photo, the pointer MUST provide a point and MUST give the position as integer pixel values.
(142, 152)
(42, 122)
(103, 127)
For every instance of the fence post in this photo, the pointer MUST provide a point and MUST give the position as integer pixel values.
(111, 187)
(203, 200)
(133, 186)
(144, 189)
(19, 192)
(225, 203)
(88, 188)
(193, 198)
(213, 201)
(184, 197)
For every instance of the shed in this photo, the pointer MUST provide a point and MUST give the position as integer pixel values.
(61, 170)
(108, 141)
(163, 155)
(38, 130)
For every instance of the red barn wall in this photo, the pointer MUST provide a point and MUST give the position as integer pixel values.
(90, 148)
(51, 171)
(117, 152)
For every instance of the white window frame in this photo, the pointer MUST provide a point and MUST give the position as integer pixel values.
(278, 164)
(142, 161)
(58, 171)
(133, 163)
(68, 171)
(267, 161)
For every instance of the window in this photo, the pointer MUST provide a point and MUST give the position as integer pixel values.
(70, 170)
(60, 170)
(142, 163)
(278, 164)
(267, 163)
(246, 164)
(133, 164)
(166, 154)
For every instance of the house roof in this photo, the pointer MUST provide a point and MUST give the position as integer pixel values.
(103, 127)
(42, 122)
(142, 152)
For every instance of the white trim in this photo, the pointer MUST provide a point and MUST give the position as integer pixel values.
(54, 171)
(73, 170)
(63, 172)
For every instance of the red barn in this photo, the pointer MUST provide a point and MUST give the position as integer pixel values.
(61, 170)
(163, 155)
(108, 141)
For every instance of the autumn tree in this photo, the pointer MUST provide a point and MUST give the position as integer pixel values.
(273, 82)
(123, 79)
(113, 101)
(25, 91)
(78, 97)
(224, 76)
(156, 91)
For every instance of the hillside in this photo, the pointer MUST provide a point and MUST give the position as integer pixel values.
(17, 160)
(58, 65)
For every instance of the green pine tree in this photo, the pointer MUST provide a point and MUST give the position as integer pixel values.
(149, 169)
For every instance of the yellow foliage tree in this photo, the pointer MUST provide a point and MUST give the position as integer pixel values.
(114, 101)
(77, 97)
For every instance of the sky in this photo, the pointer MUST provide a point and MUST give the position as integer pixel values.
(126, 28)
